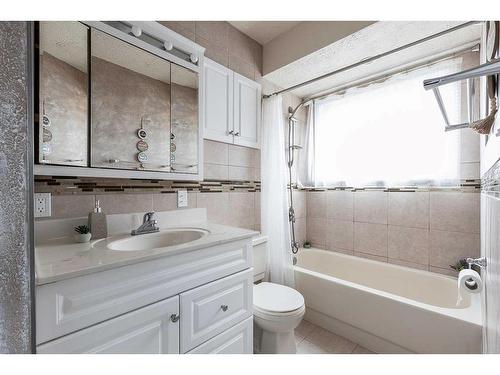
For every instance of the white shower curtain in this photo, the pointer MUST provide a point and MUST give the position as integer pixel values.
(274, 201)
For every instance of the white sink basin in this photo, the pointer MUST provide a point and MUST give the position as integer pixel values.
(157, 240)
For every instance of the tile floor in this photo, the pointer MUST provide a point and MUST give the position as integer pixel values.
(312, 339)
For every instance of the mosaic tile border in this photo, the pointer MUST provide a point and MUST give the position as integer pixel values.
(465, 186)
(91, 185)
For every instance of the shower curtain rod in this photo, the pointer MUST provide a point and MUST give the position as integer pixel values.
(376, 57)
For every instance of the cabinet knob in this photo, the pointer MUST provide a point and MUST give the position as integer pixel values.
(237, 134)
(230, 132)
(175, 318)
(224, 307)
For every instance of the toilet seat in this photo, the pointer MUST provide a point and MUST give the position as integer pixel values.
(279, 316)
(276, 300)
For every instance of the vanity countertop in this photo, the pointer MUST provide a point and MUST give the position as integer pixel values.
(61, 258)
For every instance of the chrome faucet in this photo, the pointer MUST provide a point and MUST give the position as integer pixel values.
(148, 225)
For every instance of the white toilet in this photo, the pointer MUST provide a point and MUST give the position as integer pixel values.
(277, 309)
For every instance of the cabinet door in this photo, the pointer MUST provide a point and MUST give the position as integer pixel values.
(218, 102)
(236, 340)
(247, 102)
(149, 330)
(212, 308)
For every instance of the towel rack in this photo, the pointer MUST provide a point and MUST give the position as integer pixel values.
(487, 69)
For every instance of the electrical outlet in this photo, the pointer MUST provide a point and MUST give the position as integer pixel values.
(42, 205)
(182, 198)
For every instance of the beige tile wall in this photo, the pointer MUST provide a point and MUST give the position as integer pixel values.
(426, 230)
(224, 162)
(240, 209)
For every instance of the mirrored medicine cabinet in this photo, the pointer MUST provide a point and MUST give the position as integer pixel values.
(109, 102)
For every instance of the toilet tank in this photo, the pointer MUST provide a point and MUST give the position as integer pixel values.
(259, 258)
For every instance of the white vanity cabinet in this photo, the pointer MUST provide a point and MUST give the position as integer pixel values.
(232, 106)
(199, 300)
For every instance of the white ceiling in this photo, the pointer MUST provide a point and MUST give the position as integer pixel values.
(370, 41)
(263, 31)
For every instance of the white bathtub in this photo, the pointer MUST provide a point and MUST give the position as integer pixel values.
(387, 308)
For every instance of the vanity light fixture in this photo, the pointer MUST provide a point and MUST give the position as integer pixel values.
(168, 45)
(193, 58)
(164, 43)
(137, 31)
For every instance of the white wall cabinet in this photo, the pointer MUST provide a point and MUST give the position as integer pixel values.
(218, 102)
(232, 106)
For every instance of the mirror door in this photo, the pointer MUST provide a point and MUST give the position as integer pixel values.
(131, 99)
(185, 135)
(63, 93)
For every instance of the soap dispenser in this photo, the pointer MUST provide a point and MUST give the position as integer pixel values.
(97, 223)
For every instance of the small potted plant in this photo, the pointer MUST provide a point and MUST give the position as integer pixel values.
(82, 234)
(459, 265)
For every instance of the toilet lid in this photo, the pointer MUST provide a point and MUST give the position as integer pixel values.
(276, 298)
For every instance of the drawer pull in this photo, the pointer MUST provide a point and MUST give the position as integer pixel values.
(224, 307)
(175, 318)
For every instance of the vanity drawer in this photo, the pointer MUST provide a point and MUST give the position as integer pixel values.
(70, 305)
(236, 340)
(213, 308)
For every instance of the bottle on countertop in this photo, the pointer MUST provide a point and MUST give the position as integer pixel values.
(97, 222)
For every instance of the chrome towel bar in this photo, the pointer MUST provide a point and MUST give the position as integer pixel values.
(487, 69)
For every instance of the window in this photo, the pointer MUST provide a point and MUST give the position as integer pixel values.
(389, 133)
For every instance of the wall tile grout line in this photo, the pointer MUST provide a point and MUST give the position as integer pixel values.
(436, 245)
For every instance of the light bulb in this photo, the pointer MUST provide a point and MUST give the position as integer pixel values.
(168, 45)
(193, 58)
(136, 30)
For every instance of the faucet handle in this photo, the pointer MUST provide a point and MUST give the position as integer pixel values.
(148, 216)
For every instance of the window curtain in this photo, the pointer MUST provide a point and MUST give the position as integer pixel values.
(274, 201)
(388, 134)
(305, 165)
